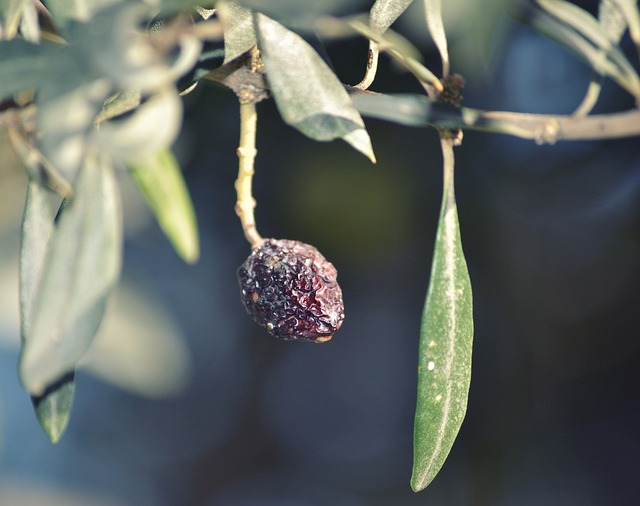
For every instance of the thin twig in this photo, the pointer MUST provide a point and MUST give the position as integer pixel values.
(246, 204)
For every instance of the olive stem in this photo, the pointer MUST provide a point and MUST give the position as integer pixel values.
(246, 204)
(371, 68)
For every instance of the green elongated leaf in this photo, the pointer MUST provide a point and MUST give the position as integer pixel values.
(308, 94)
(53, 408)
(385, 12)
(23, 65)
(160, 180)
(82, 265)
(433, 12)
(446, 341)
(239, 33)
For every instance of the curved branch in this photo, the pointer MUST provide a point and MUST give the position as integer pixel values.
(417, 110)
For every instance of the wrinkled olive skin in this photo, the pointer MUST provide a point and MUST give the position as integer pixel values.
(291, 290)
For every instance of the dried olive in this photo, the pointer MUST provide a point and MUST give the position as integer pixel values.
(291, 290)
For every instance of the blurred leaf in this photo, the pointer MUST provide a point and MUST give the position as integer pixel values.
(37, 229)
(29, 25)
(82, 265)
(10, 14)
(605, 58)
(125, 53)
(308, 94)
(53, 408)
(433, 11)
(612, 20)
(446, 341)
(65, 11)
(613, 25)
(23, 65)
(150, 128)
(69, 100)
(239, 33)
(160, 180)
(157, 363)
(385, 12)
(631, 14)
(578, 19)
(302, 13)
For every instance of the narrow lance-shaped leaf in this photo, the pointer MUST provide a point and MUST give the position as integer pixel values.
(446, 340)
(82, 265)
(160, 180)
(53, 407)
(433, 12)
(308, 94)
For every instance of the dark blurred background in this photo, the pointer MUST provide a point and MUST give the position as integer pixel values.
(185, 401)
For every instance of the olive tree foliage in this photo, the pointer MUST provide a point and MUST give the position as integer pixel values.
(90, 87)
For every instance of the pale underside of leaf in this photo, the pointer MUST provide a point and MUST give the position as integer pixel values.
(308, 94)
(81, 267)
(433, 12)
(384, 13)
(446, 339)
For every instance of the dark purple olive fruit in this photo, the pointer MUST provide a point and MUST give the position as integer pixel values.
(291, 290)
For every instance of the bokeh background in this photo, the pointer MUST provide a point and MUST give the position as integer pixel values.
(184, 401)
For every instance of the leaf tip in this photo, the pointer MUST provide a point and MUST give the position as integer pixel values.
(53, 407)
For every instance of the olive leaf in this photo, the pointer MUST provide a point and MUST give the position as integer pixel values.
(239, 33)
(160, 180)
(23, 65)
(446, 341)
(81, 267)
(385, 12)
(433, 12)
(308, 94)
(53, 407)
(10, 14)
(580, 32)
(614, 25)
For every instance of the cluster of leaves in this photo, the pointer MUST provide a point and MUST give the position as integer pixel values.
(89, 87)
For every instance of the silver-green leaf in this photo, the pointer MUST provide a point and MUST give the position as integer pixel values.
(82, 265)
(308, 94)
(160, 180)
(23, 65)
(446, 340)
(385, 12)
(239, 33)
(433, 12)
(53, 408)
